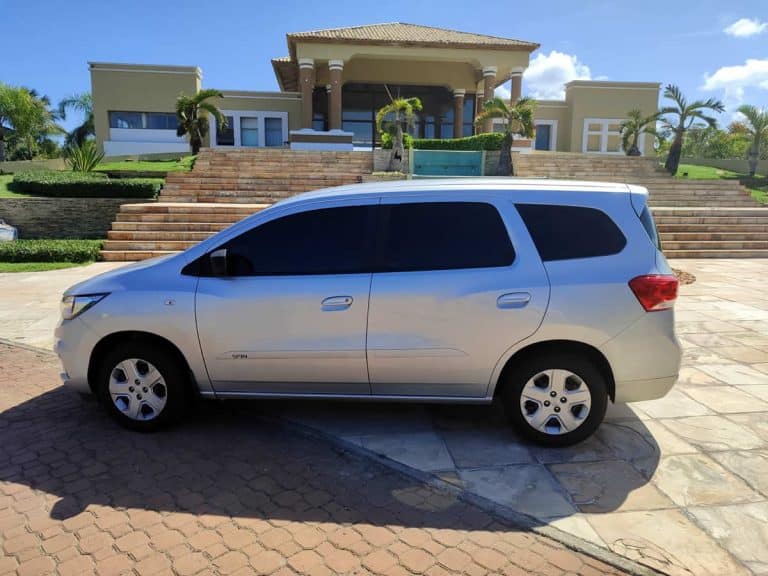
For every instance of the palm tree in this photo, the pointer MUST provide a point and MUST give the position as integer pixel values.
(400, 113)
(191, 122)
(635, 125)
(683, 115)
(519, 117)
(82, 103)
(757, 129)
(29, 116)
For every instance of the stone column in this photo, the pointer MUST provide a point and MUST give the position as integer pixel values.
(516, 90)
(489, 83)
(335, 68)
(458, 112)
(307, 87)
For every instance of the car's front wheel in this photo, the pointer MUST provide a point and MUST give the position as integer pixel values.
(142, 386)
(555, 399)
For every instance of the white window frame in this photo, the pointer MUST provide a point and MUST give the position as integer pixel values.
(260, 115)
(603, 133)
(552, 134)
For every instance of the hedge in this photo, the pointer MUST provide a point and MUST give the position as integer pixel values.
(83, 185)
(486, 141)
(50, 250)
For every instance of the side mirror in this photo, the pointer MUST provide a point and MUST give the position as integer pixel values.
(219, 262)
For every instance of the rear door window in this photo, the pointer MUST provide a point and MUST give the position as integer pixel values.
(650, 227)
(570, 232)
(443, 236)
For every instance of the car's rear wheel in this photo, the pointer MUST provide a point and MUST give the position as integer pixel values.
(555, 399)
(143, 386)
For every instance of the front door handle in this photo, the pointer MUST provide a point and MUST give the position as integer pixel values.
(513, 300)
(337, 303)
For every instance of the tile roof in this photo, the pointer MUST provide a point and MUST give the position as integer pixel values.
(402, 33)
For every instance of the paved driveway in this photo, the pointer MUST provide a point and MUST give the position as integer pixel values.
(679, 484)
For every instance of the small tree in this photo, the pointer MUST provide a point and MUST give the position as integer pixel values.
(635, 125)
(519, 117)
(394, 118)
(82, 103)
(83, 158)
(757, 128)
(682, 116)
(191, 122)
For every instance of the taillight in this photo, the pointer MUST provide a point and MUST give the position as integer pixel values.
(655, 291)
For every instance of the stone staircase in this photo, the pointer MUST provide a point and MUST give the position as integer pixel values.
(695, 218)
(224, 187)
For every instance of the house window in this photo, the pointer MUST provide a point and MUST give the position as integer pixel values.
(251, 128)
(143, 120)
(603, 136)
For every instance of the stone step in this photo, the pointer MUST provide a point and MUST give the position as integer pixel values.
(716, 253)
(696, 227)
(210, 227)
(717, 245)
(158, 235)
(718, 235)
(148, 245)
(133, 255)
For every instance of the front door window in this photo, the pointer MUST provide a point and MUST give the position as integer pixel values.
(249, 131)
(543, 136)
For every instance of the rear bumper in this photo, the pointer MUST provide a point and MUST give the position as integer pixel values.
(638, 390)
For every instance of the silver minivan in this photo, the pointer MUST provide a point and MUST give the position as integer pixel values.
(551, 296)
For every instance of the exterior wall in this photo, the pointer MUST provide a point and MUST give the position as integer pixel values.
(287, 102)
(557, 111)
(607, 100)
(138, 88)
(62, 217)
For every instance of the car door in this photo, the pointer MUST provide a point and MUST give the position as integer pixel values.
(290, 315)
(459, 284)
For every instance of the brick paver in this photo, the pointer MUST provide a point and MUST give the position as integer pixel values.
(223, 494)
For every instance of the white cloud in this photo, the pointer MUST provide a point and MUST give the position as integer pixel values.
(745, 27)
(547, 74)
(732, 80)
(502, 91)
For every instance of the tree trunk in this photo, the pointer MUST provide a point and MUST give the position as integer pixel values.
(2, 146)
(505, 156)
(633, 149)
(754, 156)
(398, 150)
(195, 143)
(673, 159)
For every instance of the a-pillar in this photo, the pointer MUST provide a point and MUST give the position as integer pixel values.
(516, 89)
(335, 68)
(458, 112)
(307, 87)
(489, 84)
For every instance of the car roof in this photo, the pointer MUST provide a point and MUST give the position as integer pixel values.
(440, 185)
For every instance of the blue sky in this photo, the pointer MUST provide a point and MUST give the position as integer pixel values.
(46, 46)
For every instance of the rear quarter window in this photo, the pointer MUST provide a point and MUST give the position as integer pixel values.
(570, 232)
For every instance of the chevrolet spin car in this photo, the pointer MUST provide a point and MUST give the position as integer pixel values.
(551, 296)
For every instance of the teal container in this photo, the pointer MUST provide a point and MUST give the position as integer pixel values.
(447, 163)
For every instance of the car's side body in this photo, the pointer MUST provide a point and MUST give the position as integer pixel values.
(444, 335)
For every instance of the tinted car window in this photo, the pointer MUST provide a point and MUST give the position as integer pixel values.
(326, 241)
(568, 232)
(650, 227)
(443, 235)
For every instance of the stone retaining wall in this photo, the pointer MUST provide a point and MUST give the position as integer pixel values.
(62, 217)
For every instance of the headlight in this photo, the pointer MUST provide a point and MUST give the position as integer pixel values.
(73, 306)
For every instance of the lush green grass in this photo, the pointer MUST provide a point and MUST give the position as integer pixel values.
(5, 180)
(759, 192)
(35, 266)
(179, 165)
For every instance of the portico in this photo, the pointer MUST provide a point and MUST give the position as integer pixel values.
(344, 75)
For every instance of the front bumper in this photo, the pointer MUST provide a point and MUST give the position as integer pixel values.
(73, 345)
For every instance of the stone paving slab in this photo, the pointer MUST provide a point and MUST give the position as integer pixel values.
(225, 493)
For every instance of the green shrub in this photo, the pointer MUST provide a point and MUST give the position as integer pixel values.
(83, 158)
(486, 141)
(83, 185)
(50, 250)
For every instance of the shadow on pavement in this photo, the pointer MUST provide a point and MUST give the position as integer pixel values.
(226, 460)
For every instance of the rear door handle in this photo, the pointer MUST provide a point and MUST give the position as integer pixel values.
(337, 303)
(513, 300)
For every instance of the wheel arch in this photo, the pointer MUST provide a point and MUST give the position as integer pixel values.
(558, 346)
(116, 338)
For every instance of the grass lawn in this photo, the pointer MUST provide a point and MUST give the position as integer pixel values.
(5, 179)
(179, 165)
(694, 172)
(37, 266)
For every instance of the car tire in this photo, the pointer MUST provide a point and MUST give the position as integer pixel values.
(555, 399)
(143, 386)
